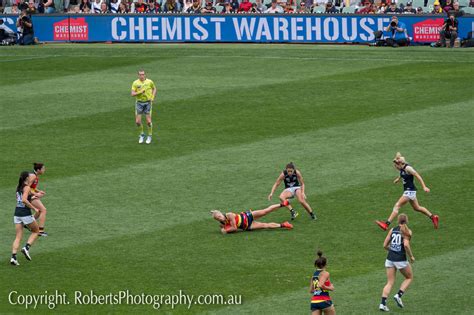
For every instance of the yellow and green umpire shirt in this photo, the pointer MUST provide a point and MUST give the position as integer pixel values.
(147, 85)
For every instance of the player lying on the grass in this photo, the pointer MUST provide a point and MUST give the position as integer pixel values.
(38, 169)
(407, 174)
(22, 217)
(245, 221)
(319, 288)
(294, 186)
(397, 243)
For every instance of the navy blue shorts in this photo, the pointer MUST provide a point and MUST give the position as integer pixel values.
(249, 218)
(321, 305)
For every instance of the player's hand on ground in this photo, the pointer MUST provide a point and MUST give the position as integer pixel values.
(426, 189)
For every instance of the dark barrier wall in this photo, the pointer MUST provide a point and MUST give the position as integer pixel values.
(292, 28)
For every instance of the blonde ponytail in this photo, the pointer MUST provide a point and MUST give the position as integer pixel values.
(399, 159)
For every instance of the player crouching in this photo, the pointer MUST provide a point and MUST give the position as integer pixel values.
(245, 221)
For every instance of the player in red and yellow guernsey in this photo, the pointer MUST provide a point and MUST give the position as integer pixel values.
(319, 288)
(245, 221)
(37, 194)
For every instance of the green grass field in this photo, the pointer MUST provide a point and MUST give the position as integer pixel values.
(123, 216)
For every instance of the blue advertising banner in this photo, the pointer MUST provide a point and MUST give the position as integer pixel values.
(292, 28)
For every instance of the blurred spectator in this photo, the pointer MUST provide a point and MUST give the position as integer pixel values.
(95, 6)
(114, 5)
(122, 8)
(170, 6)
(330, 8)
(392, 9)
(437, 8)
(288, 8)
(409, 8)
(245, 6)
(419, 10)
(85, 4)
(195, 8)
(228, 9)
(186, 5)
(471, 3)
(253, 8)
(208, 8)
(140, 6)
(31, 9)
(103, 8)
(74, 10)
(15, 9)
(302, 8)
(155, 7)
(367, 8)
(456, 11)
(449, 30)
(48, 6)
(382, 8)
(274, 8)
(235, 5)
(261, 8)
(448, 6)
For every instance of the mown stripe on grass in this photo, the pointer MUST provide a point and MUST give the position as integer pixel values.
(107, 90)
(331, 159)
(191, 256)
(435, 278)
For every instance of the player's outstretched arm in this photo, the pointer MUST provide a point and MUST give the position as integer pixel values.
(277, 183)
(412, 171)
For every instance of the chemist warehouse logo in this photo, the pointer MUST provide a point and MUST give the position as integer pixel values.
(427, 30)
(71, 29)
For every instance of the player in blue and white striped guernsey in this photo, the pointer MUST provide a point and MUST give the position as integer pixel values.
(408, 174)
(397, 243)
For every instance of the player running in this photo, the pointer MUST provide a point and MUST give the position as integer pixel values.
(22, 217)
(38, 169)
(320, 286)
(144, 91)
(294, 186)
(397, 243)
(407, 174)
(245, 221)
